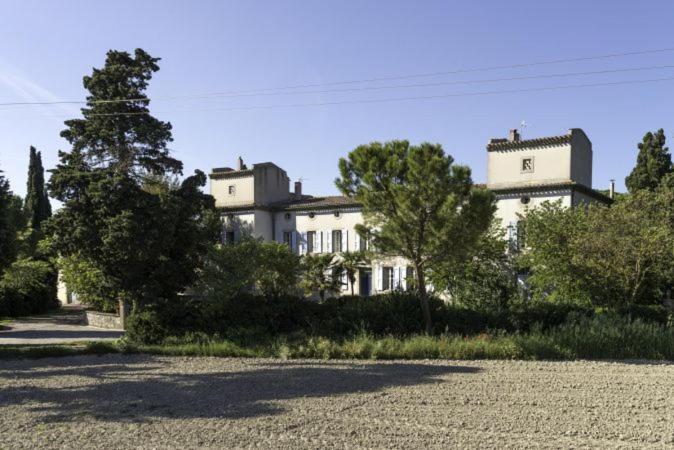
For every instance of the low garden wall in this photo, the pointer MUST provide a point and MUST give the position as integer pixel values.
(104, 320)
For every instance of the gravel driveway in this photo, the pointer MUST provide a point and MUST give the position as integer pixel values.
(138, 401)
(59, 327)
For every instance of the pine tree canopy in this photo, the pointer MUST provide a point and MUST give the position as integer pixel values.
(117, 130)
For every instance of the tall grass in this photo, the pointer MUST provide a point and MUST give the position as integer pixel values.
(602, 337)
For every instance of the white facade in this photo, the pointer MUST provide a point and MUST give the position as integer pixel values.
(522, 174)
(525, 173)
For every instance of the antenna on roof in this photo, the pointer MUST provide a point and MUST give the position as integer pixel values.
(523, 125)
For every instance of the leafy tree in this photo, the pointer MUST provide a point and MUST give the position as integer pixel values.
(278, 270)
(319, 275)
(37, 206)
(485, 281)
(606, 256)
(351, 263)
(229, 269)
(416, 204)
(654, 162)
(89, 282)
(250, 264)
(11, 222)
(551, 231)
(145, 242)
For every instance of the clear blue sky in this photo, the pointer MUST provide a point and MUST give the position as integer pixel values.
(208, 46)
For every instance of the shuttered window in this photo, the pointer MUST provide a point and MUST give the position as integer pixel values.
(336, 240)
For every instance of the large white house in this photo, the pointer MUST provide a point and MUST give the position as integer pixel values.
(257, 200)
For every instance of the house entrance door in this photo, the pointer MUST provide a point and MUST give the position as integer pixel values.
(365, 284)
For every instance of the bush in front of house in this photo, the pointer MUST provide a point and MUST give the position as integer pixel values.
(393, 314)
(27, 287)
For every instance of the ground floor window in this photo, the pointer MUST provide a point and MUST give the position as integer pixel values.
(288, 239)
(311, 238)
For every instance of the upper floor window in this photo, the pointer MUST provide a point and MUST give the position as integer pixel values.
(527, 165)
(232, 189)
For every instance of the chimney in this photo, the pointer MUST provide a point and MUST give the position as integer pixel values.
(513, 135)
(298, 188)
(611, 189)
(239, 163)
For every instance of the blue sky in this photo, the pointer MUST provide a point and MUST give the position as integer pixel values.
(213, 46)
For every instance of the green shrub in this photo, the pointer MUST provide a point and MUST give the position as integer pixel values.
(28, 287)
(146, 327)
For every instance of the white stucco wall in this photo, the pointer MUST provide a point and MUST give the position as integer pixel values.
(244, 191)
(509, 208)
(551, 164)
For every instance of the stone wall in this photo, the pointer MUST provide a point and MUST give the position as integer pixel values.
(104, 320)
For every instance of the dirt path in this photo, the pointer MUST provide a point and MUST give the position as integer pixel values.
(61, 326)
(136, 401)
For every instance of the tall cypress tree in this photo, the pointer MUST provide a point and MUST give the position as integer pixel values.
(654, 162)
(37, 207)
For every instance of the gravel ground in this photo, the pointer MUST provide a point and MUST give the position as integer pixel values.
(140, 401)
(57, 327)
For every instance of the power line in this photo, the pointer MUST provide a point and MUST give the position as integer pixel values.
(395, 99)
(265, 91)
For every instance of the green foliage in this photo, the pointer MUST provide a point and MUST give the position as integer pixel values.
(487, 280)
(90, 284)
(604, 256)
(146, 327)
(654, 162)
(27, 287)
(603, 337)
(37, 207)
(122, 135)
(145, 242)
(320, 273)
(269, 268)
(395, 314)
(10, 218)
(416, 204)
(351, 263)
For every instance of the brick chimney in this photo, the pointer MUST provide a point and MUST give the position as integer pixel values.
(239, 163)
(513, 136)
(298, 188)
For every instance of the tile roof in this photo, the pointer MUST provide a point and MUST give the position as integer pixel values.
(337, 201)
(504, 144)
(558, 185)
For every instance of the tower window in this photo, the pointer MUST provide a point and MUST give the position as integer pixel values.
(527, 165)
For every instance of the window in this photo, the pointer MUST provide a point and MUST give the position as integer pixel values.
(362, 244)
(232, 189)
(229, 237)
(409, 276)
(287, 239)
(336, 240)
(311, 238)
(387, 278)
(527, 165)
(288, 216)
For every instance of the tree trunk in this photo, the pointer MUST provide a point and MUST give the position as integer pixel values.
(423, 298)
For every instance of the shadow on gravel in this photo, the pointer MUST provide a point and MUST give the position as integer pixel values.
(138, 393)
(59, 334)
